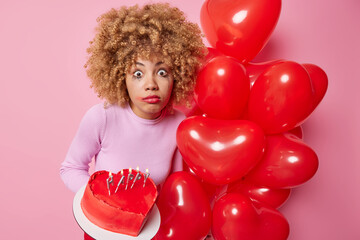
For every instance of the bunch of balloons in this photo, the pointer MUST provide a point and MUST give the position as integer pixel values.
(242, 140)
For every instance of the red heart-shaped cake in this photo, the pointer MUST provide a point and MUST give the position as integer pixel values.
(122, 208)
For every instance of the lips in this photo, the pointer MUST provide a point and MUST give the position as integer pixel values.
(151, 99)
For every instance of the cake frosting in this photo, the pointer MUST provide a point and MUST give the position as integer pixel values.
(126, 209)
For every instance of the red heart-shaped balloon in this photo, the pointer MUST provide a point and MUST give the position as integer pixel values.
(271, 197)
(220, 151)
(222, 88)
(184, 208)
(235, 216)
(319, 82)
(212, 191)
(281, 97)
(287, 163)
(239, 28)
(253, 70)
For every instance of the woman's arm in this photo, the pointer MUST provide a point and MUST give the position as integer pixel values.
(85, 145)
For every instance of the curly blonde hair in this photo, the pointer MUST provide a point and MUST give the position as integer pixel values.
(126, 34)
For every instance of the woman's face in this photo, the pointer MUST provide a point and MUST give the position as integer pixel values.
(149, 84)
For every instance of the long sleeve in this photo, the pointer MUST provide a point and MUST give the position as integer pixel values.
(85, 145)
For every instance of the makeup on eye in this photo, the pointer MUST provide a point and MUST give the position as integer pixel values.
(162, 73)
(137, 74)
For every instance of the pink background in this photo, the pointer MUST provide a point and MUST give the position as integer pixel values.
(44, 93)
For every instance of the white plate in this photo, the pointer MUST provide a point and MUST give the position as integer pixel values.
(149, 230)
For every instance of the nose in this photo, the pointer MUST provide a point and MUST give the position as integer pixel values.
(151, 84)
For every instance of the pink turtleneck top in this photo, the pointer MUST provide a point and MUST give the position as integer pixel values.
(119, 139)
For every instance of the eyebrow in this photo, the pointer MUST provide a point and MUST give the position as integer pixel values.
(138, 63)
(157, 64)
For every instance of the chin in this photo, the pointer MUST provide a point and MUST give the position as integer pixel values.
(153, 110)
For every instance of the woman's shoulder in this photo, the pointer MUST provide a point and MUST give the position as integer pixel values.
(95, 115)
(96, 111)
(102, 116)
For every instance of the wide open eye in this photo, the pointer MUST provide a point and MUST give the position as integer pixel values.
(162, 73)
(138, 74)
